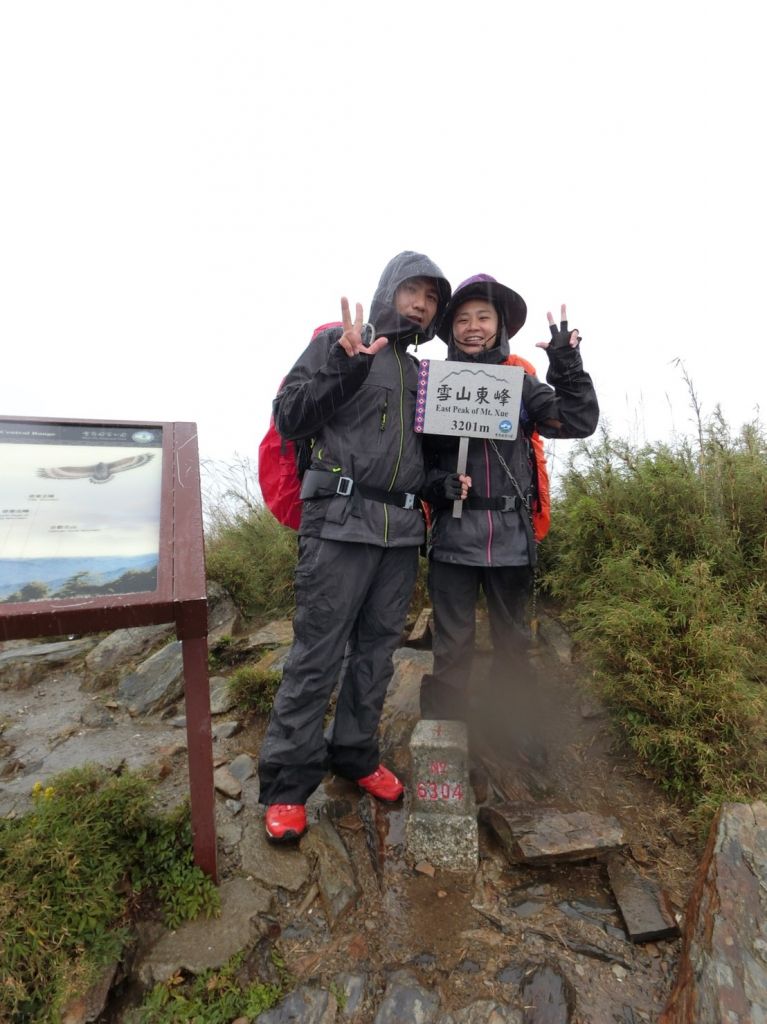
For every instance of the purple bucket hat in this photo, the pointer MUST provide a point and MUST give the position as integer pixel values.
(482, 286)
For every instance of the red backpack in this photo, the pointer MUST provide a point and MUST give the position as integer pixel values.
(281, 465)
(542, 501)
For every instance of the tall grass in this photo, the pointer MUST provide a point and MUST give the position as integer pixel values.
(659, 555)
(247, 551)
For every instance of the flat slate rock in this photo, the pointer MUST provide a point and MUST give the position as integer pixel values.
(307, 1005)
(406, 1000)
(243, 767)
(156, 683)
(484, 1011)
(224, 618)
(224, 730)
(543, 835)
(125, 644)
(206, 943)
(225, 782)
(22, 666)
(547, 997)
(353, 988)
(643, 905)
(221, 697)
(335, 875)
(284, 865)
(722, 972)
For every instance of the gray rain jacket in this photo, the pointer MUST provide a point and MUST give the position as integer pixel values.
(359, 411)
(489, 537)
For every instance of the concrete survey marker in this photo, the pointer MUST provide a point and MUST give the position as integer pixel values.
(442, 815)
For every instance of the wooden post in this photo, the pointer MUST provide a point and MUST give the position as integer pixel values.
(200, 753)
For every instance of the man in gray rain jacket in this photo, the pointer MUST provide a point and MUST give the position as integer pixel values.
(361, 528)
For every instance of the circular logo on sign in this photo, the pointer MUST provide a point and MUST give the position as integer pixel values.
(142, 436)
(505, 426)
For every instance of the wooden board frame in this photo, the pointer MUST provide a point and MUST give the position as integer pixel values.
(180, 598)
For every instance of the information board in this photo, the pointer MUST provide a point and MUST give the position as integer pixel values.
(468, 399)
(79, 509)
(101, 529)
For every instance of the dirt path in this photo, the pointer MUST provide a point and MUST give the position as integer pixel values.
(467, 938)
(484, 937)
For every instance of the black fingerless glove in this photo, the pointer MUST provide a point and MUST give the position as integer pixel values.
(446, 488)
(564, 360)
(451, 487)
(560, 336)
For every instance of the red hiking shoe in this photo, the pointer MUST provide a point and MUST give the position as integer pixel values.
(285, 822)
(382, 784)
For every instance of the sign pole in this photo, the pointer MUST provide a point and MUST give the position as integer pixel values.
(463, 455)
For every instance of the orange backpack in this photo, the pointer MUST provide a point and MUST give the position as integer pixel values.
(541, 510)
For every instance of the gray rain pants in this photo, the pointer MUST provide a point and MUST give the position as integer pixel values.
(355, 594)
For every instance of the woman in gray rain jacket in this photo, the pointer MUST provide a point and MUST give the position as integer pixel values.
(491, 546)
(361, 528)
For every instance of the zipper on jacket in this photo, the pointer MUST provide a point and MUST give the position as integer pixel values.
(383, 414)
(401, 420)
(401, 440)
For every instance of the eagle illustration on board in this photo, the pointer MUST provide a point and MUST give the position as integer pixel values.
(99, 472)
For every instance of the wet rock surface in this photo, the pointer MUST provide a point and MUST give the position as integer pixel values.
(202, 944)
(123, 646)
(642, 903)
(543, 835)
(548, 996)
(336, 880)
(156, 683)
(723, 968)
(22, 664)
(367, 935)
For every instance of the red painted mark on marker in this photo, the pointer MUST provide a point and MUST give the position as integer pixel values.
(439, 790)
(438, 767)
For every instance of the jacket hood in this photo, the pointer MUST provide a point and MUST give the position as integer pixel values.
(383, 313)
(511, 308)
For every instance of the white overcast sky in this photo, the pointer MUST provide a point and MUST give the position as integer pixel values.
(188, 188)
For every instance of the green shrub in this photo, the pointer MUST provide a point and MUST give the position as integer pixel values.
(253, 557)
(71, 873)
(659, 556)
(214, 997)
(254, 689)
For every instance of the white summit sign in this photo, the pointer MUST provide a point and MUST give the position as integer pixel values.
(468, 399)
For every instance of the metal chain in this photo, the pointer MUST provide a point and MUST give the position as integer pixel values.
(513, 479)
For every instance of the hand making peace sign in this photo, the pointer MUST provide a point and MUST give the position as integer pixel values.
(560, 336)
(351, 341)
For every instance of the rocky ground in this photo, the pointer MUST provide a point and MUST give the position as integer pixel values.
(367, 935)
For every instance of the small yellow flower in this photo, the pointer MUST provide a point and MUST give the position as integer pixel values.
(37, 789)
(48, 792)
